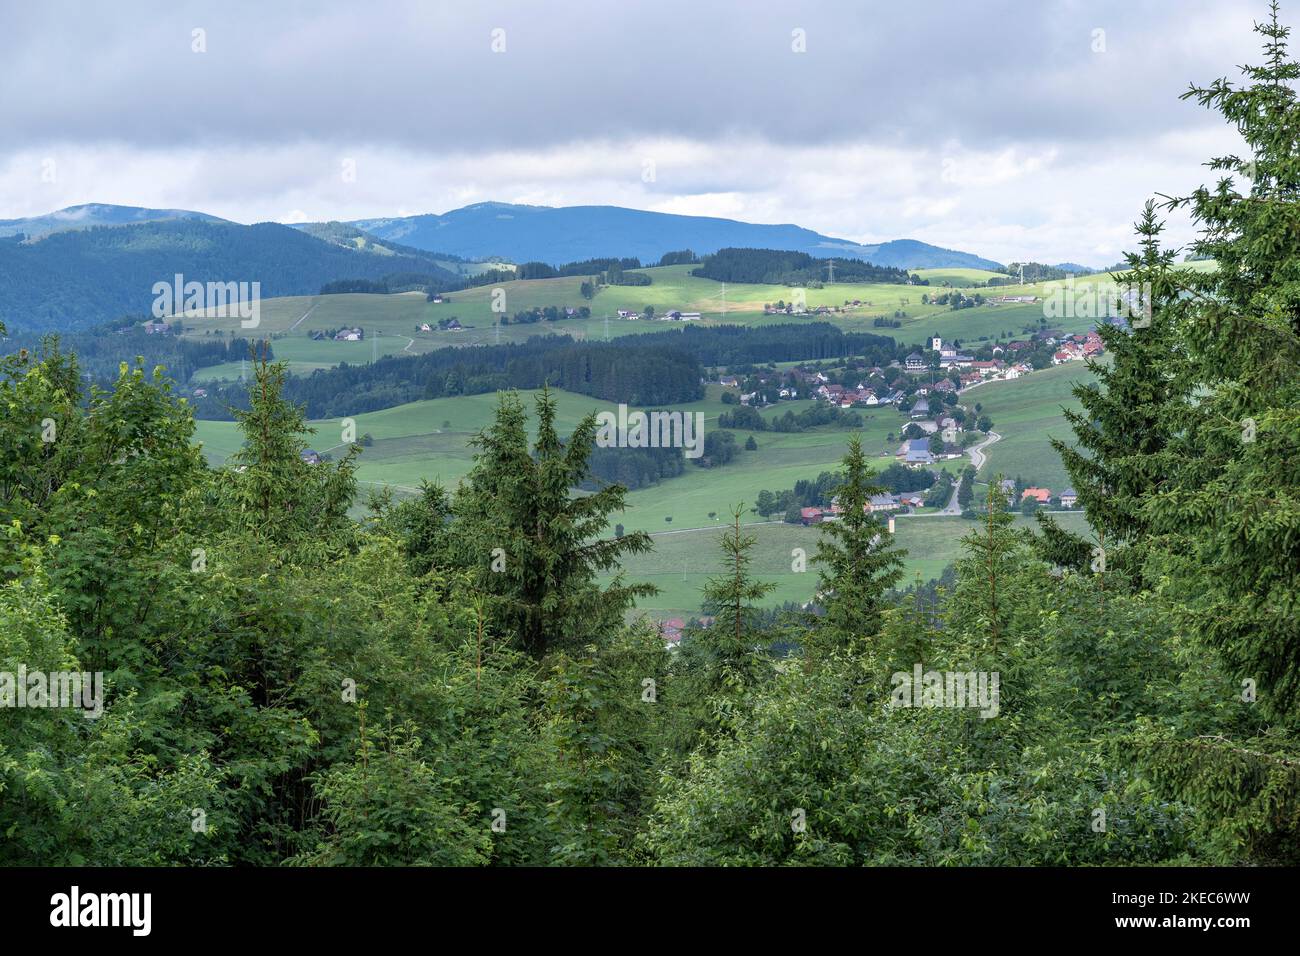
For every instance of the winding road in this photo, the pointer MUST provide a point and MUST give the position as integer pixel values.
(977, 456)
(977, 459)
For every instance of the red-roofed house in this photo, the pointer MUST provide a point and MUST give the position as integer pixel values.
(810, 516)
(671, 630)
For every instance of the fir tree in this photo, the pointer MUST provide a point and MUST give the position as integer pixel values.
(1231, 503)
(535, 547)
(1124, 421)
(733, 658)
(857, 559)
(982, 593)
(1227, 510)
(277, 496)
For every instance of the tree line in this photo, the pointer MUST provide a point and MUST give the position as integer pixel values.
(783, 267)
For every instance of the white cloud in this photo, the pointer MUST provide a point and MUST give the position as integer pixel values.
(1003, 134)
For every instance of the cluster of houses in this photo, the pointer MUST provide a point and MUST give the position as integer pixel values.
(1005, 363)
(672, 315)
(915, 452)
(1009, 361)
(793, 308)
(886, 503)
(156, 328)
(446, 325)
(342, 335)
(1077, 347)
(1069, 498)
(862, 395)
(976, 370)
(878, 504)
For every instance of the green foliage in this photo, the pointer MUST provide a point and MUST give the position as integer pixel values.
(535, 548)
(856, 559)
(732, 660)
(390, 807)
(1190, 444)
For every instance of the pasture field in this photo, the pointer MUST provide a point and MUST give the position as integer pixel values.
(683, 561)
(431, 440)
(395, 319)
(956, 276)
(1026, 412)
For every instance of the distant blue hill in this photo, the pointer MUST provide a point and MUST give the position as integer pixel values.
(93, 214)
(79, 277)
(574, 233)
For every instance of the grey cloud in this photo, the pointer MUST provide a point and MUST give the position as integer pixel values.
(421, 75)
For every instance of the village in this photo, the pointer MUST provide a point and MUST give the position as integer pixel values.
(925, 387)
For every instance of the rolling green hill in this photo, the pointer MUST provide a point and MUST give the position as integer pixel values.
(396, 319)
(1027, 413)
(682, 562)
(84, 277)
(429, 440)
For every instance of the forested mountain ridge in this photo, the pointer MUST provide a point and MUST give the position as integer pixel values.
(572, 233)
(92, 214)
(78, 278)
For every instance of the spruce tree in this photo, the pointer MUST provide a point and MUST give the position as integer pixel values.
(535, 547)
(1231, 502)
(1226, 510)
(1124, 421)
(733, 659)
(857, 559)
(983, 593)
(276, 496)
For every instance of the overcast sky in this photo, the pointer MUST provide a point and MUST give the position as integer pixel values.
(1009, 128)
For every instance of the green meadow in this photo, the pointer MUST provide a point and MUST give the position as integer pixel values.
(430, 440)
(391, 322)
(1027, 413)
(682, 562)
